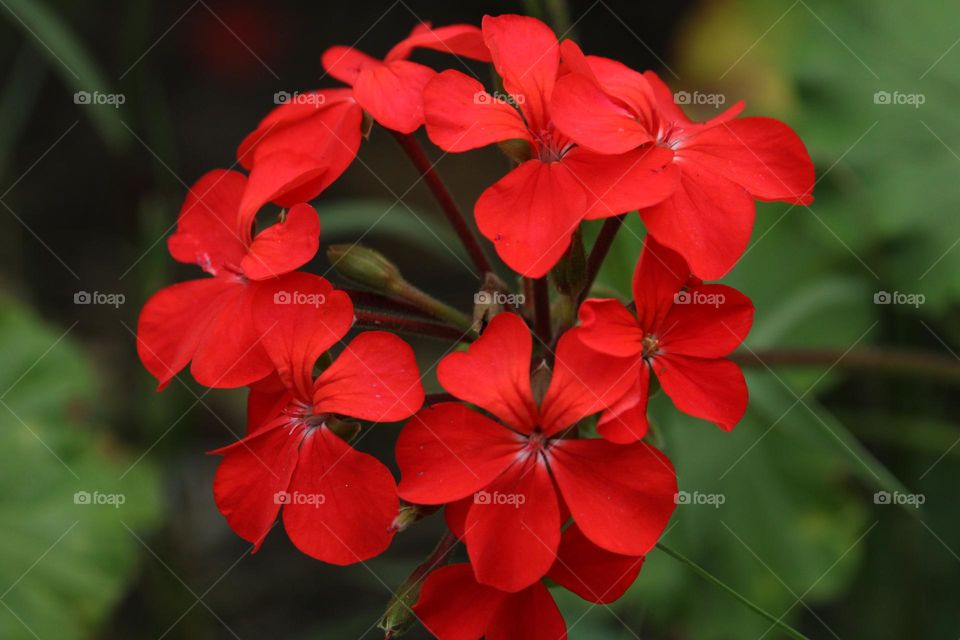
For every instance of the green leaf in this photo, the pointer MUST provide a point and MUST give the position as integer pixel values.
(71, 499)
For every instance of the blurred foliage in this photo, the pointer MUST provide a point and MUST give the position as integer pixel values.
(64, 561)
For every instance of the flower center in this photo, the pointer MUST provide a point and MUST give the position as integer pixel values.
(651, 344)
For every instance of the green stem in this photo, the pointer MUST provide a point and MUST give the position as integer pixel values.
(375, 320)
(709, 577)
(427, 303)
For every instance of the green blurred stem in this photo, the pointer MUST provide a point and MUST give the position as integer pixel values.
(599, 253)
(430, 305)
(376, 320)
(900, 362)
(439, 190)
(709, 577)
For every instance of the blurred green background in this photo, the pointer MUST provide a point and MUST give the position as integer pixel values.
(810, 508)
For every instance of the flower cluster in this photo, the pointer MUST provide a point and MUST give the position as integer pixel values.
(537, 450)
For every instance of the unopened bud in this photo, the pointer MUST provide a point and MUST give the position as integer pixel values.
(411, 513)
(365, 266)
(517, 149)
(399, 616)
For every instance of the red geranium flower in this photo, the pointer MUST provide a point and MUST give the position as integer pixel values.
(725, 163)
(531, 213)
(300, 148)
(454, 606)
(515, 478)
(682, 330)
(210, 321)
(391, 90)
(338, 503)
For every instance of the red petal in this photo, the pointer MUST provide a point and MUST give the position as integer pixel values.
(658, 277)
(300, 316)
(608, 327)
(348, 501)
(621, 183)
(447, 452)
(393, 93)
(231, 353)
(346, 63)
(375, 379)
(209, 233)
(708, 220)
(630, 87)
(585, 113)
(461, 115)
(621, 496)
(293, 160)
(530, 215)
(513, 527)
(762, 155)
(284, 246)
(712, 389)
(594, 574)
(172, 323)
(251, 475)
(531, 614)
(266, 400)
(454, 606)
(709, 321)
(494, 372)
(457, 39)
(526, 55)
(583, 383)
(626, 421)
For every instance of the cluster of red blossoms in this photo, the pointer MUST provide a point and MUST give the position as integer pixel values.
(537, 450)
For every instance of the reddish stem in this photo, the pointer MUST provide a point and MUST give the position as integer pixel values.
(377, 320)
(415, 152)
(381, 302)
(599, 253)
(541, 307)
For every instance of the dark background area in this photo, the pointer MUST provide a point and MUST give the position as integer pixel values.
(90, 193)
